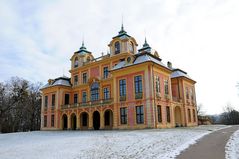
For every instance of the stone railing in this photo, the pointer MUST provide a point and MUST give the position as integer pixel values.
(88, 104)
(65, 106)
(107, 101)
(97, 102)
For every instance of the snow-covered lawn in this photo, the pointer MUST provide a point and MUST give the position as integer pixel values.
(232, 147)
(149, 143)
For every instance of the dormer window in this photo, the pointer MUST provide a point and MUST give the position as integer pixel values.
(117, 47)
(76, 62)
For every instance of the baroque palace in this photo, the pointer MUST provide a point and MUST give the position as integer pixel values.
(124, 89)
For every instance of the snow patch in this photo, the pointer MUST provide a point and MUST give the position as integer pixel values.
(232, 146)
(148, 144)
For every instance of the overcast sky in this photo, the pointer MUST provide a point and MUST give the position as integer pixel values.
(37, 38)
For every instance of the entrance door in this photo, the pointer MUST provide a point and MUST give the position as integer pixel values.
(96, 120)
(108, 119)
(84, 120)
(73, 122)
(64, 122)
(177, 117)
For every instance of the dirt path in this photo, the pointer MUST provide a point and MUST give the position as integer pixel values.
(211, 146)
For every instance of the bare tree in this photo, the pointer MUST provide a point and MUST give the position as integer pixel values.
(6, 104)
(34, 106)
(230, 116)
(200, 110)
(19, 105)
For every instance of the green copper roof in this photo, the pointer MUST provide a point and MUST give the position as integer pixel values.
(83, 46)
(145, 46)
(145, 43)
(122, 32)
(83, 49)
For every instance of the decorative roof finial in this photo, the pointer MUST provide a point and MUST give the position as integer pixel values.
(122, 23)
(122, 31)
(145, 43)
(122, 27)
(145, 40)
(83, 43)
(82, 46)
(146, 47)
(83, 49)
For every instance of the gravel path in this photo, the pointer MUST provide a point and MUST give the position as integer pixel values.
(211, 146)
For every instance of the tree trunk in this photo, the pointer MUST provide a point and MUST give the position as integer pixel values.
(0, 125)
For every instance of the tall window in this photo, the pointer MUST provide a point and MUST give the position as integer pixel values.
(53, 100)
(139, 114)
(194, 116)
(52, 120)
(187, 93)
(159, 113)
(191, 93)
(189, 115)
(106, 93)
(67, 99)
(76, 62)
(106, 72)
(84, 97)
(94, 91)
(117, 47)
(46, 101)
(138, 84)
(166, 87)
(157, 84)
(84, 76)
(76, 80)
(45, 121)
(75, 98)
(123, 115)
(131, 47)
(168, 114)
(122, 87)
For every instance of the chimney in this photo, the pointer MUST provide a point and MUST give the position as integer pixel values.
(170, 65)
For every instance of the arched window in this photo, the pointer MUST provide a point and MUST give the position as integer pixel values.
(117, 47)
(76, 62)
(94, 91)
(88, 59)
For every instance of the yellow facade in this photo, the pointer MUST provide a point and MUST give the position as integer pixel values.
(123, 89)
